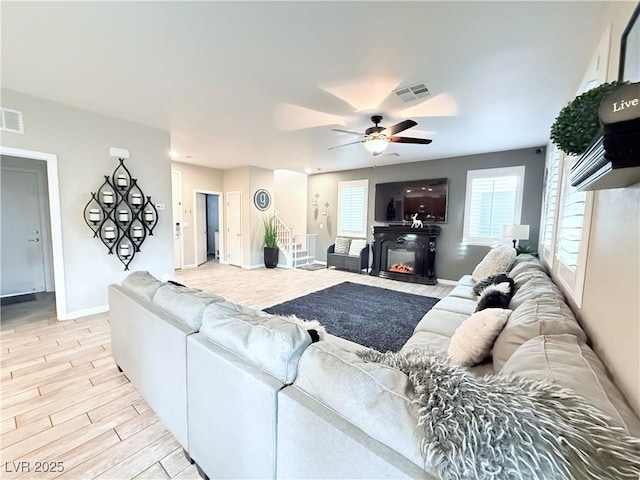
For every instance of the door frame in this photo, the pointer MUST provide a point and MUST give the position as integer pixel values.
(196, 191)
(173, 226)
(56, 221)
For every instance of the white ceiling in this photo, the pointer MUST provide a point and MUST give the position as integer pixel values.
(263, 83)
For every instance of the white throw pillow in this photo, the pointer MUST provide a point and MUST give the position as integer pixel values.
(473, 339)
(356, 246)
(342, 245)
(498, 260)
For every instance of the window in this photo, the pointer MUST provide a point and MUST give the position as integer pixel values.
(566, 212)
(572, 234)
(550, 204)
(352, 208)
(493, 199)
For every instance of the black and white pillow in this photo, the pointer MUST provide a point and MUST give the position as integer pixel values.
(494, 291)
(342, 245)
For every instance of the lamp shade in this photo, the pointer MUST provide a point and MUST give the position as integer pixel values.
(376, 145)
(515, 232)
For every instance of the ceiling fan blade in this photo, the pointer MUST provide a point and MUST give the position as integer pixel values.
(423, 141)
(398, 127)
(346, 131)
(345, 144)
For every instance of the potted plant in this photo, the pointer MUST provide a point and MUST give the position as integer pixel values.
(578, 123)
(270, 243)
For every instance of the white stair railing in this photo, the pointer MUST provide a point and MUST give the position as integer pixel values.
(298, 250)
(284, 238)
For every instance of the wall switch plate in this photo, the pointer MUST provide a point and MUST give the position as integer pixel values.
(160, 206)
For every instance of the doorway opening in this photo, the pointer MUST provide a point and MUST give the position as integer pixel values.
(208, 215)
(35, 266)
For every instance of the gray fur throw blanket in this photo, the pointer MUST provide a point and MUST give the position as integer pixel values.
(500, 427)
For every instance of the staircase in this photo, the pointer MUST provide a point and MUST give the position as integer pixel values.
(298, 250)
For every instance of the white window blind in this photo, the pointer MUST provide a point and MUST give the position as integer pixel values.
(550, 203)
(572, 237)
(352, 208)
(493, 199)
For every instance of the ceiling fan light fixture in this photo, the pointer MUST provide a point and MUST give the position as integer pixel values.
(376, 145)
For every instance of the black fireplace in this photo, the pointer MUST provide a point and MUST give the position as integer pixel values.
(405, 253)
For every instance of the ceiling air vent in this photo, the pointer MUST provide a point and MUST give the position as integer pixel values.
(413, 92)
(11, 120)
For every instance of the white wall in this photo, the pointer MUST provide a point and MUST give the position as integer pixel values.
(81, 141)
(258, 178)
(290, 199)
(194, 177)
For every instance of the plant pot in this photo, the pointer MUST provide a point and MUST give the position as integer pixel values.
(270, 257)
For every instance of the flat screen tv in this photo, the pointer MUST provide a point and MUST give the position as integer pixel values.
(399, 201)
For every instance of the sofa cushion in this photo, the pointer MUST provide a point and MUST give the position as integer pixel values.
(467, 280)
(541, 315)
(463, 291)
(522, 279)
(142, 283)
(353, 389)
(498, 260)
(569, 362)
(425, 341)
(456, 305)
(272, 343)
(185, 304)
(473, 339)
(535, 287)
(441, 322)
(356, 246)
(342, 245)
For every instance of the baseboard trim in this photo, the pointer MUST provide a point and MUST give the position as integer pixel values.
(192, 265)
(84, 313)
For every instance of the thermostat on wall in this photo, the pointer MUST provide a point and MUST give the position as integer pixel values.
(159, 206)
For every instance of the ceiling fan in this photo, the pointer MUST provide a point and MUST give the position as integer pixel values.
(376, 139)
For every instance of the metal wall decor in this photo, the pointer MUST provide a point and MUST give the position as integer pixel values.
(120, 214)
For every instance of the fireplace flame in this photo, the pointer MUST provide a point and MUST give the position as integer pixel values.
(401, 268)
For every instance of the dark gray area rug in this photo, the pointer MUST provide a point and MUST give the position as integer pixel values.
(28, 297)
(312, 267)
(375, 317)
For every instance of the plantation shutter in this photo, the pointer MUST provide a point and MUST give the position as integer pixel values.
(352, 208)
(550, 205)
(571, 221)
(494, 199)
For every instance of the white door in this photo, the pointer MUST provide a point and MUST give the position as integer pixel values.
(176, 199)
(201, 228)
(22, 246)
(234, 228)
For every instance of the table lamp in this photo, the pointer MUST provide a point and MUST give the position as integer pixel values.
(515, 232)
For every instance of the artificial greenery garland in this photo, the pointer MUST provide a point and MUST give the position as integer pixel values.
(577, 124)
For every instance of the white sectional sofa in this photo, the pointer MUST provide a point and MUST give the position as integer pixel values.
(249, 395)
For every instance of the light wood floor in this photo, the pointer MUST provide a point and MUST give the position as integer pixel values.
(65, 406)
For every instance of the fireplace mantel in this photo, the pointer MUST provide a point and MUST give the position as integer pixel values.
(414, 248)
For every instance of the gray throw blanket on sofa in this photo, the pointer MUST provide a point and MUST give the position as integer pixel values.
(499, 427)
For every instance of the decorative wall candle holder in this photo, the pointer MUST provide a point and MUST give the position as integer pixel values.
(121, 215)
